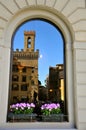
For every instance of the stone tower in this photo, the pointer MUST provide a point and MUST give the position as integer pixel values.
(29, 39)
(25, 71)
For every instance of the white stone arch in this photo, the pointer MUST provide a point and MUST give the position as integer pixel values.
(40, 12)
(67, 31)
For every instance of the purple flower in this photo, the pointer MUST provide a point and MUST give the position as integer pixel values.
(32, 105)
(22, 108)
(51, 108)
(28, 105)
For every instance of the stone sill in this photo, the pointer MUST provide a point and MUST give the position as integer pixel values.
(36, 126)
(33, 129)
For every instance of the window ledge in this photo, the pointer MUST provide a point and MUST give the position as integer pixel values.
(37, 125)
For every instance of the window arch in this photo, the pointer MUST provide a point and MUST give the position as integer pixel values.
(68, 41)
(55, 90)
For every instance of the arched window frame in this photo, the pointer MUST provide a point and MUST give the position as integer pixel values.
(69, 57)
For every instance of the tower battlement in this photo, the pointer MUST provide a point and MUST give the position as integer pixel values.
(26, 55)
(29, 32)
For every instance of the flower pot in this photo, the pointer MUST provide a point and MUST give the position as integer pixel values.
(21, 117)
(53, 118)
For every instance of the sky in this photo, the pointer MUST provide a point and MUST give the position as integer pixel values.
(49, 42)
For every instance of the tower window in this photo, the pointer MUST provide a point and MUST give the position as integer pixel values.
(29, 42)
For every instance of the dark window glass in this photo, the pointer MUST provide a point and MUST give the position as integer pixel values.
(24, 87)
(23, 78)
(15, 68)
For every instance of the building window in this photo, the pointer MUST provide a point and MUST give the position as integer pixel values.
(15, 68)
(24, 78)
(15, 87)
(15, 78)
(24, 87)
(24, 69)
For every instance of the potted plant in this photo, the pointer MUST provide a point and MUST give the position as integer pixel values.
(21, 111)
(51, 112)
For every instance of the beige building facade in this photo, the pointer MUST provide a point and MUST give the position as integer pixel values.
(24, 82)
(70, 17)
